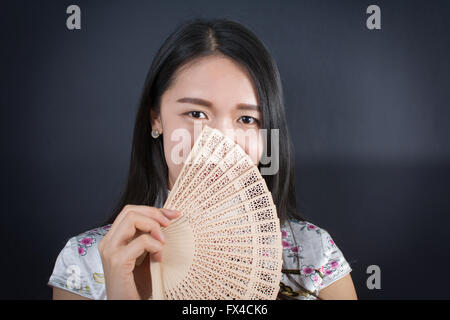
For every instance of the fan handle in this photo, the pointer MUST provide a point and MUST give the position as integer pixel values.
(157, 285)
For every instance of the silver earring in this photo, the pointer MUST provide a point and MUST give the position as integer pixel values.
(155, 134)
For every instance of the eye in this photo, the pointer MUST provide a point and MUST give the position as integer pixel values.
(197, 114)
(248, 120)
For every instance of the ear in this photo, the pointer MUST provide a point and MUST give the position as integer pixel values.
(155, 121)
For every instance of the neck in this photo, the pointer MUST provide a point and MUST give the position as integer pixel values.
(171, 183)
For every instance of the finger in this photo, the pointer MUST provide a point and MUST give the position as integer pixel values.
(132, 223)
(142, 257)
(147, 210)
(171, 214)
(157, 214)
(140, 245)
(118, 219)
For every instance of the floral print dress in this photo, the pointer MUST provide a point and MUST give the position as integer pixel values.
(311, 262)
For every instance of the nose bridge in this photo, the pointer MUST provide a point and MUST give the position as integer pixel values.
(225, 125)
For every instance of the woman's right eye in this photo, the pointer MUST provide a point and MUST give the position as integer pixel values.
(197, 114)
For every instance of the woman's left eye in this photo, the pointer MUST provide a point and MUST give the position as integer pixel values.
(248, 120)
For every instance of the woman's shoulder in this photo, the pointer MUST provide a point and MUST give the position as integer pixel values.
(309, 235)
(78, 267)
(89, 239)
(311, 257)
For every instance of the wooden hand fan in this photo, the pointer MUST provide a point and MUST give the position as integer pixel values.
(227, 242)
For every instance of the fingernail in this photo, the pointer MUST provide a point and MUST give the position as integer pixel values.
(171, 212)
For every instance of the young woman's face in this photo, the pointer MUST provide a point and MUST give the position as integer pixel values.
(215, 91)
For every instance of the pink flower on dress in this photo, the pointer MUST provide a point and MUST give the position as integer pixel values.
(317, 280)
(294, 249)
(284, 234)
(327, 271)
(334, 264)
(308, 270)
(310, 226)
(286, 244)
(87, 241)
(81, 251)
(332, 242)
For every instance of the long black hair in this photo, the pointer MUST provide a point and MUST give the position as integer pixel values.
(193, 39)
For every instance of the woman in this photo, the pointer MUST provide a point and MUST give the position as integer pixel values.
(218, 73)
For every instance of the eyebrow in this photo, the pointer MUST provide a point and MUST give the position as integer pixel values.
(205, 103)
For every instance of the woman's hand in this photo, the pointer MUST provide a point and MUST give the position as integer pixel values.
(135, 232)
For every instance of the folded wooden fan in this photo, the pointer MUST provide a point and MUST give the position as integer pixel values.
(227, 242)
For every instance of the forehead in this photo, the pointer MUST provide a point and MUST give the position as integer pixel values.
(218, 79)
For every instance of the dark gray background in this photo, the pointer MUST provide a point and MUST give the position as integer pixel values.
(368, 113)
